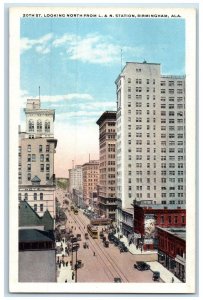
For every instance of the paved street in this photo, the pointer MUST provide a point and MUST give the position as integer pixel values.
(107, 264)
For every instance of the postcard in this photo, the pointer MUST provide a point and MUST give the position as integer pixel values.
(102, 105)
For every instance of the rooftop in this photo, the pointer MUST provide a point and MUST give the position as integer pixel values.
(179, 232)
(106, 115)
(35, 235)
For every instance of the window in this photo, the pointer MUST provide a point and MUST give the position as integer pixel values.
(169, 219)
(41, 207)
(183, 219)
(26, 196)
(35, 207)
(40, 148)
(28, 167)
(47, 126)
(29, 148)
(41, 167)
(31, 125)
(47, 176)
(33, 157)
(28, 176)
(35, 196)
(19, 197)
(39, 126)
(175, 219)
(162, 219)
(41, 196)
(41, 157)
(29, 157)
(47, 148)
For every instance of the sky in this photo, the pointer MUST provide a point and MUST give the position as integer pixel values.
(76, 62)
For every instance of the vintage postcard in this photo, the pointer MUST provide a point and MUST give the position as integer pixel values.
(102, 149)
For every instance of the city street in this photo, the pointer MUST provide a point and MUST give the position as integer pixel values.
(100, 264)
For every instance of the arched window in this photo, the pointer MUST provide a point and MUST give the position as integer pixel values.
(39, 126)
(47, 126)
(31, 125)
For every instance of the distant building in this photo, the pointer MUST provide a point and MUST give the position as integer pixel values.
(36, 158)
(37, 253)
(172, 250)
(75, 179)
(107, 172)
(148, 216)
(90, 173)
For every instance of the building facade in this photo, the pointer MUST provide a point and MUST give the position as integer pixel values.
(150, 145)
(36, 158)
(148, 216)
(75, 179)
(107, 172)
(172, 250)
(90, 174)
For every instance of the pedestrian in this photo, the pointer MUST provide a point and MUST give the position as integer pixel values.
(141, 249)
(172, 280)
(73, 275)
(66, 280)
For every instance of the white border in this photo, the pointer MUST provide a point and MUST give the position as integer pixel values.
(14, 69)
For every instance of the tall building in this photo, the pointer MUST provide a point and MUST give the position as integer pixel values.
(36, 158)
(107, 173)
(75, 178)
(90, 173)
(150, 146)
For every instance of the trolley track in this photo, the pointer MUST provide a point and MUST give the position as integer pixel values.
(105, 257)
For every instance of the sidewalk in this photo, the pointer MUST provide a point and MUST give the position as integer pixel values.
(132, 248)
(165, 274)
(64, 273)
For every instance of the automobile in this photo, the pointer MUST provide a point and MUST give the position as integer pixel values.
(117, 279)
(141, 266)
(156, 276)
(101, 235)
(106, 244)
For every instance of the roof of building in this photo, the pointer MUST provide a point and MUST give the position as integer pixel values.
(180, 232)
(106, 115)
(35, 235)
(147, 205)
(36, 179)
(29, 217)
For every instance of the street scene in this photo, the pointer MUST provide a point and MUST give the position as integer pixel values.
(97, 262)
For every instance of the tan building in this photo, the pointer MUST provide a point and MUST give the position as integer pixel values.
(36, 159)
(90, 174)
(107, 173)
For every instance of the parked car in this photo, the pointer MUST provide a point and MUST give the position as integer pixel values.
(156, 276)
(117, 279)
(106, 244)
(141, 266)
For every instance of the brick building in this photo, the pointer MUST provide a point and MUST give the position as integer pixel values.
(172, 250)
(148, 216)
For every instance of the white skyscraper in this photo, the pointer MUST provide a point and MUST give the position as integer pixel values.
(150, 146)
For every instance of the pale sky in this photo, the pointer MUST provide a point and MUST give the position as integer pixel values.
(76, 62)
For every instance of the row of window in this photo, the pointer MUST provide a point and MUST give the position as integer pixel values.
(29, 176)
(31, 126)
(29, 148)
(42, 167)
(139, 80)
(41, 196)
(32, 157)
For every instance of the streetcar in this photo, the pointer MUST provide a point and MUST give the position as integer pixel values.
(93, 231)
(100, 221)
